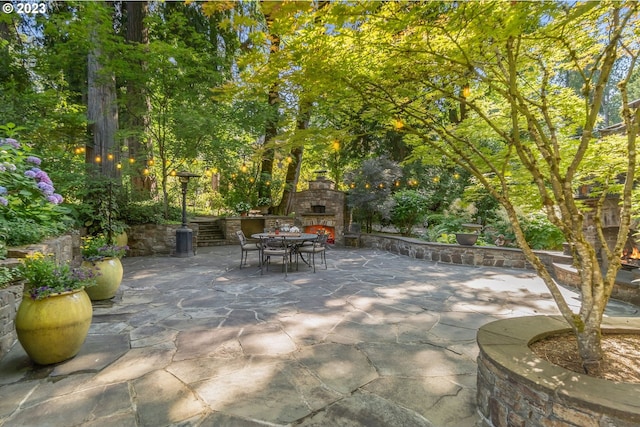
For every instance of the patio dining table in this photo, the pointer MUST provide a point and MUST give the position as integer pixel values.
(292, 239)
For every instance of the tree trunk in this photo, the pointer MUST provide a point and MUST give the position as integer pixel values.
(138, 103)
(271, 126)
(102, 113)
(293, 169)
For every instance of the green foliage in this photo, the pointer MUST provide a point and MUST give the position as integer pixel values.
(410, 208)
(29, 206)
(540, 233)
(370, 186)
(97, 248)
(7, 276)
(44, 277)
(148, 212)
(242, 207)
(100, 210)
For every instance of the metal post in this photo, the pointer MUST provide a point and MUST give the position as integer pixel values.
(184, 235)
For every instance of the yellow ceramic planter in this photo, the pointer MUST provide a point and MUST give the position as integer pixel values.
(53, 329)
(109, 276)
(121, 239)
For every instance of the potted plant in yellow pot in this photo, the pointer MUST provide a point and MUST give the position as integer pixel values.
(104, 260)
(54, 316)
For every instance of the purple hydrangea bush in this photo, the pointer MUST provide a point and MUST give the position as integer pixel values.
(28, 198)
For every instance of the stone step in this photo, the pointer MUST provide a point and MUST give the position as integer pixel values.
(206, 236)
(212, 242)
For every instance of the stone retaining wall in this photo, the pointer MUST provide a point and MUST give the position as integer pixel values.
(156, 239)
(488, 256)
(516, 388)
(66, 249)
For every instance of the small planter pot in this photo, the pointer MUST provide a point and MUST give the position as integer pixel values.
(466, 239)
(53, 329)
(109, 273)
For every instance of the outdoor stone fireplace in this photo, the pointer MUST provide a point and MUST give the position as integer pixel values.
(321, 207)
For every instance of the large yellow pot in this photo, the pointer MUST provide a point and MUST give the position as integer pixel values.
(109, 276)
(53, 329)
(121, 239)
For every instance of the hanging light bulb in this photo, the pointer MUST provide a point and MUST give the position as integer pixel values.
(98, 159)
(109, 156)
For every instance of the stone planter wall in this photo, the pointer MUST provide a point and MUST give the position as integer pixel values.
(488, 256)
(66, 249)
(516, 388)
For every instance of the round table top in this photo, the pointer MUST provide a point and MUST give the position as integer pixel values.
(286, 236)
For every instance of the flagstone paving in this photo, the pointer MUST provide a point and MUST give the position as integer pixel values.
(377, 339)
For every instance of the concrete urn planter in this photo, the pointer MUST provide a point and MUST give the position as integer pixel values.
(516, 388)
(466, 239)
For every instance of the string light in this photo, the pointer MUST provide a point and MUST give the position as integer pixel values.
(145, 171)
(335, 145)
(132, 160)
(173, 173)
(98, 159)
(110, 156)
(119, 166)
(150, 162)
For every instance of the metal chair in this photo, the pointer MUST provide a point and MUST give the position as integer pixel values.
(318, 247)
(245, 247)
(275, 247)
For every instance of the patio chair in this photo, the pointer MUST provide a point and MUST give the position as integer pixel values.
(318, 247)
(245, 247)
(275, 247)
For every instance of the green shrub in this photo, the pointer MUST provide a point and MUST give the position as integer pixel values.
(148, 212)
(540, 233)
(409, 209)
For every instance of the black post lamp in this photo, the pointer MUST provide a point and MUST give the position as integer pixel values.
(184, 235)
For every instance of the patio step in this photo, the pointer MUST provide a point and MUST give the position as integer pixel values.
(210, 232)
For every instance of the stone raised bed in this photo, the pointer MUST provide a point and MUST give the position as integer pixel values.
(516, 388)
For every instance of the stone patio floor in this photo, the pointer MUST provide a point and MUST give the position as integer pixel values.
(377, 339)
